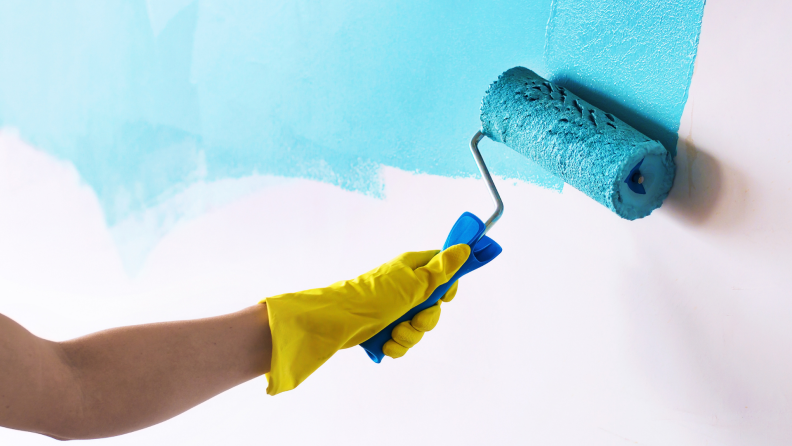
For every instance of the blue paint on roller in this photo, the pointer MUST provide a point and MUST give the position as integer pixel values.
(589, 149)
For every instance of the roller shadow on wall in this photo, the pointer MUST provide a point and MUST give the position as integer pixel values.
(706, 191)
(697, 184)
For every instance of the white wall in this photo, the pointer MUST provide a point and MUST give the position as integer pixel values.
(588, 330)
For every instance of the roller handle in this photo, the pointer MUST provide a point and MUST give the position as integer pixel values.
(469, 230)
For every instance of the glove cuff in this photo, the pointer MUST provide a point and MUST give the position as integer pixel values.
(297, 351)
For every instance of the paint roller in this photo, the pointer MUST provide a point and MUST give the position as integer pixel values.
(589, 149)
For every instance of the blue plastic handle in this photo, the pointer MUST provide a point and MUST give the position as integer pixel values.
(468, 230)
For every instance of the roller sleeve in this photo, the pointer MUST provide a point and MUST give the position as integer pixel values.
(589, 149)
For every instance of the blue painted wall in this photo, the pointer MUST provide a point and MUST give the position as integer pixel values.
(147, 97)
(633, 58)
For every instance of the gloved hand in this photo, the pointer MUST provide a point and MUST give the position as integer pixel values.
(405, 335)
(308, 327)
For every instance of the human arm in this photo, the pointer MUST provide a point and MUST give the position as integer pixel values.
(124, 379)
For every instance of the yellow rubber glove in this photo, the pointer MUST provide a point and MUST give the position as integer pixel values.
(310, 326)
(408, 333)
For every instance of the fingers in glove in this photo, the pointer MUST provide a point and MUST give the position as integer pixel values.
(416, 260)
(393, 349)
(442, 267)
(427, 319)
(405, 335)
(449, 295)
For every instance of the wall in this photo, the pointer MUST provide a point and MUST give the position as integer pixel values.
(151, 100)
(588, 329)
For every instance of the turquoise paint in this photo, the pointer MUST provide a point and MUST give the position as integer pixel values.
(633, 58)
(148, 97)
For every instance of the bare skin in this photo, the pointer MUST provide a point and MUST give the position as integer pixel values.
(125, 379)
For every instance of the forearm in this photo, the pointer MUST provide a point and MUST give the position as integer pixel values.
(132, 377)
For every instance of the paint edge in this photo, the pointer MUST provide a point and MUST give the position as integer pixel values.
(691, 69)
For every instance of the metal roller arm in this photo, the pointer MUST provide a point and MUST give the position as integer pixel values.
(485, 173)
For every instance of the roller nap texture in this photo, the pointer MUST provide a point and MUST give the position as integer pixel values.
(589, 149)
